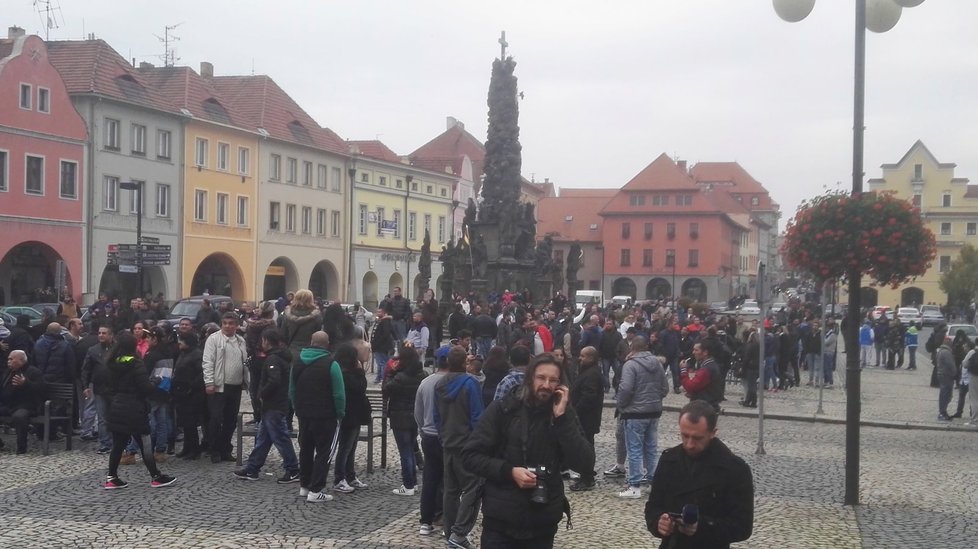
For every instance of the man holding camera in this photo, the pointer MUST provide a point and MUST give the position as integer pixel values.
(519, 446)
(702, 494)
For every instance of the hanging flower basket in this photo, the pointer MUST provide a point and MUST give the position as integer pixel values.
(879, 234)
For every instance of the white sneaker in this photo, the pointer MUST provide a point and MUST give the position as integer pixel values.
(342, 486)
(303, 492)
(426, 530)
(631, 493)
(402, 491)
(319, 497)
(358, 484)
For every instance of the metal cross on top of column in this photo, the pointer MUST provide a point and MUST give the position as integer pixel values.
(502, 46)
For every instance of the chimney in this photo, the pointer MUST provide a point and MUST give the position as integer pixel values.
(206, 69)
(14, 32)
(682, 165)
(452, 122)
(144, 65)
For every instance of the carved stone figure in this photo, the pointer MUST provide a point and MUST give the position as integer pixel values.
(479, 258)
(573, 264)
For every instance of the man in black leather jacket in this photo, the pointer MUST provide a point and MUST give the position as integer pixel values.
(521, 444)
(703, 472)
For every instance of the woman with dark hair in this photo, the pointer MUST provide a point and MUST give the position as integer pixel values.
(188, 392)
(357, 413)
(399, 391)
(428, 306)
(129, 412)
(338, 325)
(495, 368)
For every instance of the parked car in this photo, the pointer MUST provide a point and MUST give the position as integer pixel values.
(718, 306)
(931, 315)
(8, 320)
(749, 307)
(17, 310)
(881, 310)
(189, 306)
(350, 310)
(907, 315)
(969, 330)
(41, 306)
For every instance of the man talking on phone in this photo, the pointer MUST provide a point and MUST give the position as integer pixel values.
(702, 494)
(520, 445)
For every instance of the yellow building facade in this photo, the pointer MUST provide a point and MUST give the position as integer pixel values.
(949, 207)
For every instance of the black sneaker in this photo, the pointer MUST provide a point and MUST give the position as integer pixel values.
(289, 478)
(615, 472)
(115, 483)
(581, 486)
(245, 474)
(159, 481)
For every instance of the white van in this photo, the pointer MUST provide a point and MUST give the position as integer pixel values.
(583, 300)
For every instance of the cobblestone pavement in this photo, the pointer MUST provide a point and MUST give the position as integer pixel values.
(917, 488)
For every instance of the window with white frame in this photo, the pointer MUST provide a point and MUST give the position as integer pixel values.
(290, 218)
(382, 180)
(321, 221)
(200, 152)
(946, 200)
(134, 198)
(380, 221)
(223, 152)
(307, 174)
(162, 200)
(441, 229)
(334, 223)
(336, 180)
(43, 100)
(222, 208)
(34, 174)
(25, 96)
(306, 220)
(944, 264)
(292, 170)
(200, 205)
(365, 177)
(110, 193)
(242, 211)
(945, 228)
(244, 160)
(274, 216)
(412, 226)
(3, 170)
(139, 139)
(397, 223)
(321, 173)
(163, 144)
(112, 134)
(275, 167)
(362, 219)
(69, 179)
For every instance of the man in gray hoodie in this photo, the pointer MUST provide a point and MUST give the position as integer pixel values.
(643, 386)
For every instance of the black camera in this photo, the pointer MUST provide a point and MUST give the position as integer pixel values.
(540, 494)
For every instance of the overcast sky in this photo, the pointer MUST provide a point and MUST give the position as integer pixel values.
(607, 86)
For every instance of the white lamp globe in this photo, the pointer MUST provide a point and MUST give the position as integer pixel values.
(793, 11)
(909, 3)
(882, 15)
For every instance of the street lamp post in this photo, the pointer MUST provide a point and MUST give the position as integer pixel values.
(882, 16)
(409, 285)
(138, 187)
(671, 258)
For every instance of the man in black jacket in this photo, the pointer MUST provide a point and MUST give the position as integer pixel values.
(400, 311)
(319, 398)
(521, 444)
(587, 397)
(21, 393)
(273, 390)
(94, 382)
(703, 472)
(381, 342)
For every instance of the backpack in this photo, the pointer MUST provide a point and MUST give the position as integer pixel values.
(972, 364)
(931, 344)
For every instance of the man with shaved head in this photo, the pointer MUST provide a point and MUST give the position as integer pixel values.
(587, 397)
(21, 394)
(54, 357)
(318, 396)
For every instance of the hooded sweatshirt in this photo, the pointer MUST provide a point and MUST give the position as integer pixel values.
(643, 386)
(458, 407)
(316, 386)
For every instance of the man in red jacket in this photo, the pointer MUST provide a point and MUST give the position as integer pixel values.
(702, 379)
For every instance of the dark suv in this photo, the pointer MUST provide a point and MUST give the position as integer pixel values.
(188, 307)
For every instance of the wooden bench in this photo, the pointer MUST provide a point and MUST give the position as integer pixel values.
(368, 432)
(61, 396)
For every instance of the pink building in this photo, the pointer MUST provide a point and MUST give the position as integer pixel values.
(42, 150)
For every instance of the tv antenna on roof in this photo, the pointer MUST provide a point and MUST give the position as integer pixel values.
(49, 15)
(169, 54)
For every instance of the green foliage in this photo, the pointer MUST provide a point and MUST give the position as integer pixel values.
(960, 282)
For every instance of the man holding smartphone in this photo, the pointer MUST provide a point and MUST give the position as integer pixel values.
(520, 445)
(701, 474)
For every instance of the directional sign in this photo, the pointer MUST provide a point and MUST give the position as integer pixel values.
(149, 240)
(133, 255)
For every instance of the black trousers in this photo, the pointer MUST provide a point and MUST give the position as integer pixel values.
(318, 439)
(431, 478)
(20, 418)
(494, 539)
(188, 414)
(223, 408)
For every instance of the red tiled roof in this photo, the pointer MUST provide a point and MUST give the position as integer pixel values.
(662, 174)
(374, 149)
(93, 67)
(591, 193)
(552, 214)
(188, 90)
(440, 165)
(732, 178)
(260, 102)
(450, 145)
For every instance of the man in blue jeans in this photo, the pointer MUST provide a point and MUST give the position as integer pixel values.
(643, 386)
(93, 380)
(273, 390)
